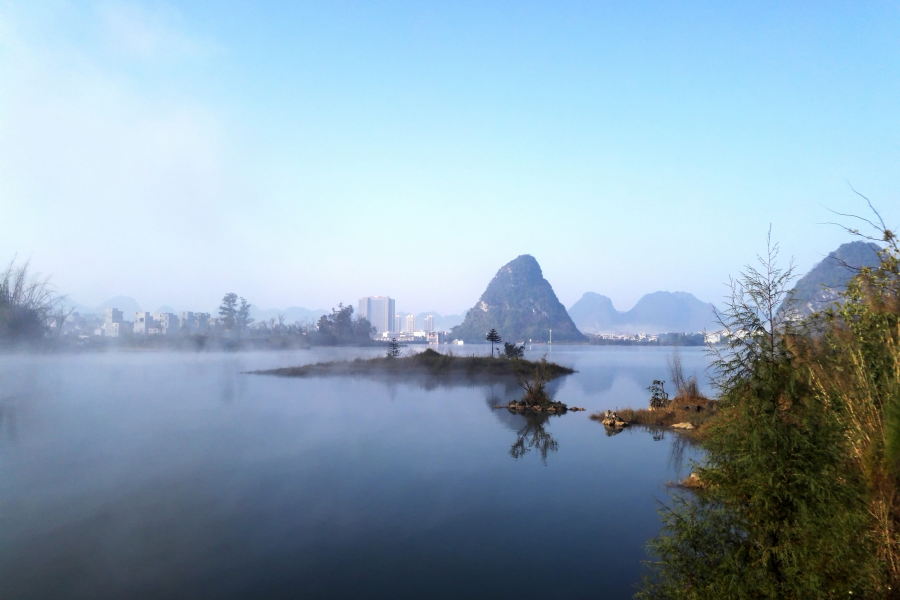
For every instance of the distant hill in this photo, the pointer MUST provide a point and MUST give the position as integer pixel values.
(126, 304)
(521, 305)
(824, 283)
(594, 313)
(659, 312)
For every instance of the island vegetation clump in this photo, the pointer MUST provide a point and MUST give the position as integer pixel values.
(798, 493)
(429, 363)
(689, 410)
(533, 378)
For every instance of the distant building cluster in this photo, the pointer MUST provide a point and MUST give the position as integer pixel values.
(145, 323)
(676, 338)
(629, 337)
(380, 312)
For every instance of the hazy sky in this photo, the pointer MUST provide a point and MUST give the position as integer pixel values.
(311, 153)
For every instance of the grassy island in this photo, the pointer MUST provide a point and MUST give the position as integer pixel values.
(428, 363)
(681, 413)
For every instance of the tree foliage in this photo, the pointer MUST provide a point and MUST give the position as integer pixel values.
(797, 496)
(494, 338)
(393, 349)
(340, 327)
(228, 311)
(234, 313)
(242, 317)
(659, 398)
(512, 351)
(534, 384)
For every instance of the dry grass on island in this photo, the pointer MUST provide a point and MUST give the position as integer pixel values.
(428, 363)
(679, 412)
(689, 410)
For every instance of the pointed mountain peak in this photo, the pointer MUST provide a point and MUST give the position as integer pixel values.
(521, 305)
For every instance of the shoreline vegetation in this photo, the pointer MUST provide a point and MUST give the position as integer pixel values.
(797, 494)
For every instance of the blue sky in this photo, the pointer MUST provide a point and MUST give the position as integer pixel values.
(311, 153)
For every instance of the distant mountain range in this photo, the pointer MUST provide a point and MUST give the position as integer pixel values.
(824, 283)
(521, 305)
(659, 312)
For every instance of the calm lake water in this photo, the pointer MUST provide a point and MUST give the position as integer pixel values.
(173, 475)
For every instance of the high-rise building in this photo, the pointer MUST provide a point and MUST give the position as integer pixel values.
(429, 323)
(113, 315)
(379, 311)
(397, 328)
(410, 323)
(166, 322)
(143, 323)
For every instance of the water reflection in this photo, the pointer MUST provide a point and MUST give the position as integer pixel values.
(171, 475)
(681, 442)
(534, 435)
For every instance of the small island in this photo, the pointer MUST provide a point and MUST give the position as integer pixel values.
(689, 410)
(428, 363)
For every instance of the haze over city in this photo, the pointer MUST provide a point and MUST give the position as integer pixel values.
(310, 154)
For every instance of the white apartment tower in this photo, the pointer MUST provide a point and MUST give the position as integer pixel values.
(410, 323)
(429, 323)
(143, 322)
(379, 310)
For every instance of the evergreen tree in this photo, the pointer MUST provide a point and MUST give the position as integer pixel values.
(228, 310)
(494, 338)
(242, 317)
(393, 350)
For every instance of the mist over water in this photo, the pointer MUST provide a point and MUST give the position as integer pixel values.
(147, 475)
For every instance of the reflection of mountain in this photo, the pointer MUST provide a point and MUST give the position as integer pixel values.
(499, 396)
(621, 377)
(600, 378)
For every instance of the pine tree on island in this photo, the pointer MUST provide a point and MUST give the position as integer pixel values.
(494, 338)
(393, 350)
